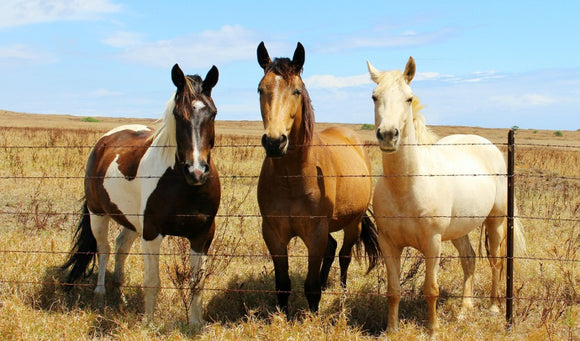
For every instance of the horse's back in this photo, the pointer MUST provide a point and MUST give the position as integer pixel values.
(468, 152)
(348, 140)
(112, 168)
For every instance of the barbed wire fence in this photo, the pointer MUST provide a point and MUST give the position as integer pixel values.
(226, 257)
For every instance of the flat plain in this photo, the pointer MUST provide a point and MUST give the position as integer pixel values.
(42, 160)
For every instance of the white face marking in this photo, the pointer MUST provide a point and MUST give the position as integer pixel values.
(197, 105)
(133, 127)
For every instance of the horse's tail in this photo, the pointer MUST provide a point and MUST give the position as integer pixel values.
(84, 250)
(370, 239)
(519, 243)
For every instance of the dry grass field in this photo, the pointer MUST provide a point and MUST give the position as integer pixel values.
(42, 160)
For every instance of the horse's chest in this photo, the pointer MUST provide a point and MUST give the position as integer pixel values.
(177, 209)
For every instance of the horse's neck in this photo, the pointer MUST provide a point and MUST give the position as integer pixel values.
(405, 163)
(161, 154)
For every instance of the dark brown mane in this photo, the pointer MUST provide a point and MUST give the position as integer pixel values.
(195, 83)
(283, 67)
(307, 116)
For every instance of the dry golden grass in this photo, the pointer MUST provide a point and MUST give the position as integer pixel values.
(42, 160)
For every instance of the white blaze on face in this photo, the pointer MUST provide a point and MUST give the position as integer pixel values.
(197, 106)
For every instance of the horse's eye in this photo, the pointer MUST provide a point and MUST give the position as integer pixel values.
(374, 98)
(297, 92)
(260, 91)
(410, 100)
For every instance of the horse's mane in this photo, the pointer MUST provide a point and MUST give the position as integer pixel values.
(165, 137)
(423, 134)
(283, 67)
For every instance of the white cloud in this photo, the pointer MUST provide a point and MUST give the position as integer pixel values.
(330, 81)
(525, 100)
(230, 43)
(23, 12)
(123, 39)
(385, 39)
(24, 53)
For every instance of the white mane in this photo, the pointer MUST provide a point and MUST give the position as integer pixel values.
(165, 139)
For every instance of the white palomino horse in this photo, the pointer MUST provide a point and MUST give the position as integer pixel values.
(434, 190)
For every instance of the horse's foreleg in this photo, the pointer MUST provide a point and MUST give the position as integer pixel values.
(278, 248)
(197, 260)
(432, 252)
(312, 284)
(100, 229)
(328, 260)
(151, 283)
(392, 257)
(467, 258)
(123, 245)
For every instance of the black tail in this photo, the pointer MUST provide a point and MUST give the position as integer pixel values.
(370, 238)
(84, 250)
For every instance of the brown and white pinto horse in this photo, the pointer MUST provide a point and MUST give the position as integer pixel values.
(311, 183)
(153, 183)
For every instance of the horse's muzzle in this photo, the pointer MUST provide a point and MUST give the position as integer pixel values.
(275, 147)
(196, 176)
(388, 139)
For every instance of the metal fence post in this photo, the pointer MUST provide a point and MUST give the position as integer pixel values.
(510, 232)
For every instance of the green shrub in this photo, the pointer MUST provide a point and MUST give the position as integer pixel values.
(558, 133)
(89, 119)
(367, 126)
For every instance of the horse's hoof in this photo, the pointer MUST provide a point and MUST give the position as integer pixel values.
(494, 309)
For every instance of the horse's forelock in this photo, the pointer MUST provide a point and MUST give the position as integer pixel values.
(283, 67)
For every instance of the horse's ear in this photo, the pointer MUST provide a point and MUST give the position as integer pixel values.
(210, 80)
(409, 72)
(375, 74)
(298, 59)
(263, 57)
(178, 77)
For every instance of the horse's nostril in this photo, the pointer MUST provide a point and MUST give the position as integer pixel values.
(396, 134)
(379, 134)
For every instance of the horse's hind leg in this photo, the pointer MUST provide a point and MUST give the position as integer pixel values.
(328, 260)
(123, 245)
(495, 229)
(100, 228)
(351, 236)
(467, 257)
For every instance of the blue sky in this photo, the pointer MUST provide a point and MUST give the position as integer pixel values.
(493, 64)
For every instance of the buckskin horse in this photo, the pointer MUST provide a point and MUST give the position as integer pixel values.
(311, 183)
(153, 183)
